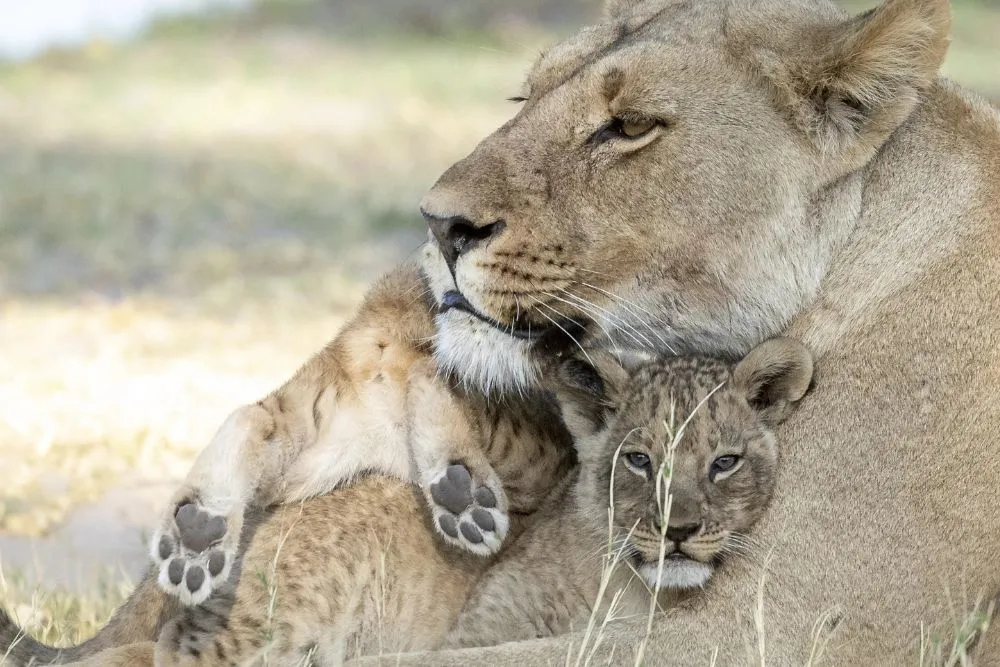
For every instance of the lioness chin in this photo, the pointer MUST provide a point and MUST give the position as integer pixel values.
(680, 451)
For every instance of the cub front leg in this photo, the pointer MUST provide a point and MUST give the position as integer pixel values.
(463, 491)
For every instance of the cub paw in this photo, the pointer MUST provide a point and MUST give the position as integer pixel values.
(194, 550)
(467, 513)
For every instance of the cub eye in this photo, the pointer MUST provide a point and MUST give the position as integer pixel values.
(724, 466)
(638, 462)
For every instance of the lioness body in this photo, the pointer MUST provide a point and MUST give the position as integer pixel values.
(813, 175)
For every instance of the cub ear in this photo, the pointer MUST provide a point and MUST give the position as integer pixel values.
(867, 74)
(774, 376)
(588, 390)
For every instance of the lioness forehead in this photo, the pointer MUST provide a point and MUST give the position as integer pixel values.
(734, 26)
(569, 58)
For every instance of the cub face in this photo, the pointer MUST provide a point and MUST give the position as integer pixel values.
(682, 450)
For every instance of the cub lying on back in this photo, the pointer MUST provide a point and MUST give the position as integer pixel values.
(357, 572)
(348, 411)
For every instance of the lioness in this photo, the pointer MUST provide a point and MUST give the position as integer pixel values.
(680, 451)
(698, 175)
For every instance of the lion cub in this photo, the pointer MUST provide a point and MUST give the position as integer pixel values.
(681, 450)
(679, 453)
(348, 412)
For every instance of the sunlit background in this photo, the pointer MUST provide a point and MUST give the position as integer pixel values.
(193, 196)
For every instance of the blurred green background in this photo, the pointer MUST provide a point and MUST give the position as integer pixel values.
(186, 216)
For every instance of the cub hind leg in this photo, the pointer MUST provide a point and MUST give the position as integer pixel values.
(140, 654)
(465, 495)
(341, 414)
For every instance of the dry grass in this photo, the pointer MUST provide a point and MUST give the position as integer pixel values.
(60, 617)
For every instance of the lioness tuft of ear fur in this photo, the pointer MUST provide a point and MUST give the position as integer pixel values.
(774, 376)
(615, 8)
(867, 74)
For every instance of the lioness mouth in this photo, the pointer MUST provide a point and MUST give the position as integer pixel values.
(453, 299)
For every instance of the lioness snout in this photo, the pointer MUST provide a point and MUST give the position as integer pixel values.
(457, 235)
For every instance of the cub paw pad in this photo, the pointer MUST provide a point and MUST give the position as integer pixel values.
(454, 490)
(198, 530)
(194, 552)
(466, 513)
(195, 578)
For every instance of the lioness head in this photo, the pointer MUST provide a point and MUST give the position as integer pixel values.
(696, 428)
(677, 178)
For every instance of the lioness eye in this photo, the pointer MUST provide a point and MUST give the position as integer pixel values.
(622, 128)
(636, 128)
(723, 465)
(638, 461)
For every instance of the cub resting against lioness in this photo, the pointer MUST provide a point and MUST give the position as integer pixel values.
(680, 450)
(346, 412)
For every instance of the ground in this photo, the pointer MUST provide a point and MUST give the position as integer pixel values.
(183, 220)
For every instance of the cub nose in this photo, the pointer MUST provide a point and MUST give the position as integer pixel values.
(679, 533)
(456, 235)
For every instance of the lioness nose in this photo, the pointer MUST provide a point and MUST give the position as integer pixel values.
(456, 235)
(682, 532)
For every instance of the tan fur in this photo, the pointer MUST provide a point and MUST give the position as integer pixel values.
(347, 411)
(357, 572)
(549, 582)
(813, 174)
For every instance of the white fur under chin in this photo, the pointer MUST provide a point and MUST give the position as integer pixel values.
(677, 574)
(482, 356)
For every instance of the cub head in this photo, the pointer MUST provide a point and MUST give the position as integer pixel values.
(694, 429)
(677, 178)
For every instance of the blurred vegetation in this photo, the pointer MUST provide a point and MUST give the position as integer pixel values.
(185, 218)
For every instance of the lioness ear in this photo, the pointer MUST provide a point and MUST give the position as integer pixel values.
(774, 376)
(867, 74)
(615, 8)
